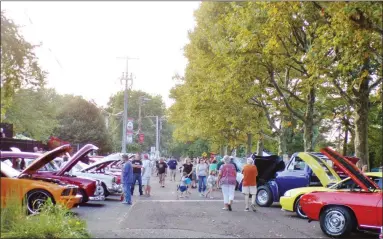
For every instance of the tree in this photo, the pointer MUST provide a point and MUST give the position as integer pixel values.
(19, 64)
(81, 122)
(33, 112)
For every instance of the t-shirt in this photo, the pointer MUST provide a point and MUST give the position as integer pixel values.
(172, 164)
(213, 167)
(228, 174)
(137, 162)
(202, 169)
(250, 173)
(161, 167)
(183, 181)
(148, 168)
(188, 168)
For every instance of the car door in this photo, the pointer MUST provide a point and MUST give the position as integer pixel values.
(294, 176)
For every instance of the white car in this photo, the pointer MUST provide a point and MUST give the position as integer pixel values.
(97, 171)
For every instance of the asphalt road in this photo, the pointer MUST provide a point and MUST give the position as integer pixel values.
(163, 215)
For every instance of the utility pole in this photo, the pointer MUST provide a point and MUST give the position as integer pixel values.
(157, 138)
(125, 119)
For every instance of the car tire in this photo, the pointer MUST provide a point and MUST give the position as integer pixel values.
(85, 197)
(298, 209)
(337, 221)
(35, 199)
(106, 192)
(264, 197)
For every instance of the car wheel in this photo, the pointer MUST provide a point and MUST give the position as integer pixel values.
(264, 197)
(35, 199)
(106, 192)
(336, 221)
(85, 197)
(298, 209)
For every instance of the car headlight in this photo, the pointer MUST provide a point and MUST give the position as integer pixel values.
(287, 194)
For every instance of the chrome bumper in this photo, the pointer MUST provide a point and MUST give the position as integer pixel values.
(116, 188)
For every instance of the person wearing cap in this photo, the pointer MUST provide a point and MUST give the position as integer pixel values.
(249, 183)
(127, 179)
(146, 173)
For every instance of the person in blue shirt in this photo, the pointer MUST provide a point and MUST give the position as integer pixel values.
(172, 163)
(127, 179)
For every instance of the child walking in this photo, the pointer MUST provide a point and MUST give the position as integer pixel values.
(183, 185)
(211, 183)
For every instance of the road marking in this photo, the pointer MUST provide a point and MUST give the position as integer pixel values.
(184, 200)
(127, 213)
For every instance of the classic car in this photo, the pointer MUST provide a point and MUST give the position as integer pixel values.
(302, 170)
(108, 181)
(291, 198)
(343, 211)
(90, 189)
(36, 191)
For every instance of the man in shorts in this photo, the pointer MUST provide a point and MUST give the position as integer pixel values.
(162, 170)
(146, 173)
(249, 183)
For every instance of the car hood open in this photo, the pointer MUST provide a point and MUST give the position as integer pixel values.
(317, 162)
(350, 169)
(106, 160)
(268, 166)
(45, 158)
(76, 157)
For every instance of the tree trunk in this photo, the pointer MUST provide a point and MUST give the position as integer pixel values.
(260, 147)
(361, 123)
(282, 142)
(309, 122)
(249, 144)
(345, 141)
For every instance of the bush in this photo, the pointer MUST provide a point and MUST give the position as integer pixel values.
(54, 221)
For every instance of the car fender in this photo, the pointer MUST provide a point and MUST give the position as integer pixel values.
(274, 189)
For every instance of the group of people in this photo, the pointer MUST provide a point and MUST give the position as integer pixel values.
(211, 175)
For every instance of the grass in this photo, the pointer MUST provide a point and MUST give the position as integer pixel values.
(54, 221)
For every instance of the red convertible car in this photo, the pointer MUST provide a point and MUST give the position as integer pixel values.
(357, 207)
(90, 189)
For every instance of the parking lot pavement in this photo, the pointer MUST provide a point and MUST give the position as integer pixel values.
(163, 215)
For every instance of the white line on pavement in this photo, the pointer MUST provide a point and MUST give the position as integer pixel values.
(164, 200)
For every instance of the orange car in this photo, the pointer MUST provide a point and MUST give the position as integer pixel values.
(22, 186)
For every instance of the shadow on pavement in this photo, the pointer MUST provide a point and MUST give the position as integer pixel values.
(93, 205)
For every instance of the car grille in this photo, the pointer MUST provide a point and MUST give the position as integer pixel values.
(66, 192)
(74, 191)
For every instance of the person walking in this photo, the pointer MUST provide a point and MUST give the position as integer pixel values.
(146, 174)
(127, 179)
(211, 184)
(213, 166)
(172, 163)
(137, 165)
(202, 171)
(227, 179)
(162, 171)
(249, 183)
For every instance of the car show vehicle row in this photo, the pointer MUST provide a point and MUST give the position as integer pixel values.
(325, 187)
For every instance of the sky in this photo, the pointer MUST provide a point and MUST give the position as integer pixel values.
(83, 44)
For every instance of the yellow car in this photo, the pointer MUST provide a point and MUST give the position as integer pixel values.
(22, 186)
(290, 201)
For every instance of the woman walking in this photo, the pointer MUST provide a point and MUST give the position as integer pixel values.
(188, 168)
(227, 179)
(202, 171)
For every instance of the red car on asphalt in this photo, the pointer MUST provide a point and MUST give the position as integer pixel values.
(357, 208)
(90, 189)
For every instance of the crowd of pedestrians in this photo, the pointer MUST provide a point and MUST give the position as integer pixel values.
(210, 174)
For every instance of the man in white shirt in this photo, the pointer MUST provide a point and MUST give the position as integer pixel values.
(146, 173)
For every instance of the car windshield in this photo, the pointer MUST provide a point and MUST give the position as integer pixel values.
(9, 171)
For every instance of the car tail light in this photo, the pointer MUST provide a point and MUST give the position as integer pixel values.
(66, 192)
(74, 191)
(118, 181)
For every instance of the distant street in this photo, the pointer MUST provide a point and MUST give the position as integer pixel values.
(162, 215)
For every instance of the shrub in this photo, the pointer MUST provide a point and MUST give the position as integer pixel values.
(54, 221)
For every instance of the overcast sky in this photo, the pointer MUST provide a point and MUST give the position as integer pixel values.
(82, 41)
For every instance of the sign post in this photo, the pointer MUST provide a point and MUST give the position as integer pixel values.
(129, 131)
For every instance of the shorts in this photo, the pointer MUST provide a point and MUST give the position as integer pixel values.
(249, 190)
(162, 176)
(146, 181)
(183, 189)
(210, 185)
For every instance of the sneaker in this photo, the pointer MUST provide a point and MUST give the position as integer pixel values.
(253, 207)
(246, 209)
(201, 195)
(229, 207)
(124, 202)
(225, 209)
(211, 197)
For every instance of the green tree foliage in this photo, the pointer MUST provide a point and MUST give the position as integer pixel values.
(81, 122)
(33, 113)
(19, 64)
(153, 106)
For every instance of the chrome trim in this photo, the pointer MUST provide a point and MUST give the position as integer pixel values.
(368, 226)
(97, 198)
